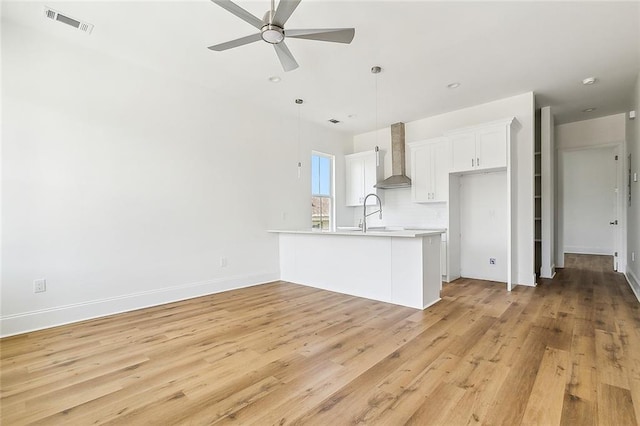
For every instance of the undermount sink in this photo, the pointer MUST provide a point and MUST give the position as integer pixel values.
(371, 229)
(384, 229)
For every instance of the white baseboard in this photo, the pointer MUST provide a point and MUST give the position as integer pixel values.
(588, 250)
(548, 273)
(432, 303)
(60, 315)
(634, 283)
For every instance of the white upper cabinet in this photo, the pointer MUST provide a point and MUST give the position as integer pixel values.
(361, 174)
(480, 147)
(430, 166)
(491, 147)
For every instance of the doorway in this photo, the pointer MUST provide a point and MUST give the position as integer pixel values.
(590, 219)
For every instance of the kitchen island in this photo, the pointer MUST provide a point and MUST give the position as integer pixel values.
(400, 267)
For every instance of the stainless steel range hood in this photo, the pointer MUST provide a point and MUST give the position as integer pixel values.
(398, 179)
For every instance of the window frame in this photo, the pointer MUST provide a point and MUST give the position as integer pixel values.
(332, 191)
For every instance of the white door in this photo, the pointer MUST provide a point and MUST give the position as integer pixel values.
(483, 226)
(590, 201)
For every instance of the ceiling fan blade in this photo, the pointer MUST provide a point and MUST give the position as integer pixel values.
(235, 43)
(240, 12)
(284, 11)
(286, 58)
(336, 35)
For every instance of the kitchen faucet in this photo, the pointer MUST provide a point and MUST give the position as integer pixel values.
(364, 211)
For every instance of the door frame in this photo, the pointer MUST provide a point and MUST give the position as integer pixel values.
(620, 232)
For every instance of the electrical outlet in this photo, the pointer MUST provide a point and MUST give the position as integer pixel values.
(223, 262)
(492, 261)
(40, 286)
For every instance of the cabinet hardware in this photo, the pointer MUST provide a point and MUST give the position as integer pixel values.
(472, 163)
(478, 162)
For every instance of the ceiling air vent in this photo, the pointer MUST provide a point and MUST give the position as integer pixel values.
(57, 16)
(334, 121)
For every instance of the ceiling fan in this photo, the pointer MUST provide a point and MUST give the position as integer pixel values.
(272, 30)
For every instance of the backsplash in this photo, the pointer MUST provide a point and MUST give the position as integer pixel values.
(399, 210)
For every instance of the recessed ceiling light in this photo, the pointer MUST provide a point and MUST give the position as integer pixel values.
(453, 85)
(588, 110)
(275, 79)
(334, 121)
(351, 116)
(589, 81)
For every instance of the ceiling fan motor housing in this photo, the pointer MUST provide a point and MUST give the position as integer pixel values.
(272, 33)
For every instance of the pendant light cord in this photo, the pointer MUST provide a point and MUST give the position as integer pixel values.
(299, 103)
(299, 136)
(376, 71)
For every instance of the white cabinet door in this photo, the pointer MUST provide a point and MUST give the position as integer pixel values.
(441, 161)
(463, 151)
(354, 177)
(491, 148)
(430, 164)
(421, 170)
(370, 170)
(443, 258)
(361, 174)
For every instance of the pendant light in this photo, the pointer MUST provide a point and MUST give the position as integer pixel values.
(375, 70)
(299, 102)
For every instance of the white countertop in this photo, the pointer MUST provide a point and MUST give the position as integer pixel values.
(372, 232)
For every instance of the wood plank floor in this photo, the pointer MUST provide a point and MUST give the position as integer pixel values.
(566, 352)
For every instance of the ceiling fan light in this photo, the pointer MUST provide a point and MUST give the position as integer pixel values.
(272, 34)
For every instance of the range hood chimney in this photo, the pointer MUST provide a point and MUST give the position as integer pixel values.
(398, 179)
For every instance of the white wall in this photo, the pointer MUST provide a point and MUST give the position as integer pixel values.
(597, 131)
(594, 133)
(124, 188)
(522, 108)
(483, 214)
(633, 211)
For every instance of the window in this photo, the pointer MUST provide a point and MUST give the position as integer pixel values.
(321, 191)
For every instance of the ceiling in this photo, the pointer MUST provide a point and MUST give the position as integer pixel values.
(493, 49)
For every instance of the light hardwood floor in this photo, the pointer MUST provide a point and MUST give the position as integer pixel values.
(566, 352)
